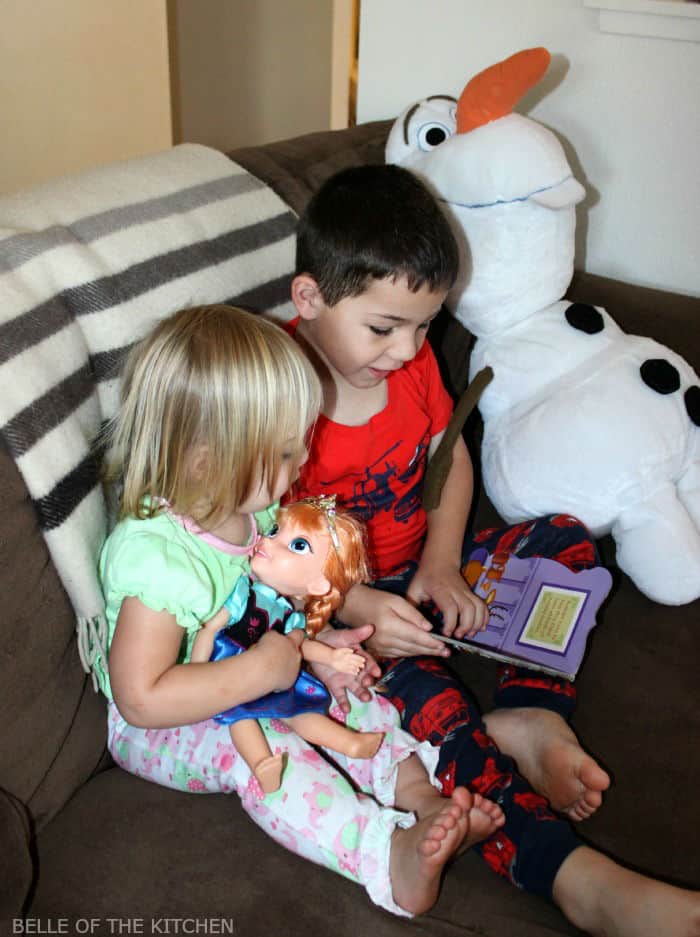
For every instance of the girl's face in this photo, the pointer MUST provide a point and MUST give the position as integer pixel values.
(292, 561)
(293, 456)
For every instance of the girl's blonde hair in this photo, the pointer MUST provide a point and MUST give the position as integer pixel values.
(216, 380)
(346, 564)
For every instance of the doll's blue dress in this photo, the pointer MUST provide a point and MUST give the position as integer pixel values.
(254, 609)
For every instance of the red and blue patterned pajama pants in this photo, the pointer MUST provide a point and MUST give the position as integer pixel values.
(435, 706)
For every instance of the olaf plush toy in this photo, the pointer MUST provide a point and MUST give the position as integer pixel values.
(580, 417)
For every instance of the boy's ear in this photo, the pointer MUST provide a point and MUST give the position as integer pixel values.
(306, 296)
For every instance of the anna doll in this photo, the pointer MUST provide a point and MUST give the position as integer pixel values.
(309, 559)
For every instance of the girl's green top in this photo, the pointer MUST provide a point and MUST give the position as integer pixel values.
(168, 569)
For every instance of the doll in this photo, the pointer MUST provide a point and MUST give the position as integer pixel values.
(312, 555)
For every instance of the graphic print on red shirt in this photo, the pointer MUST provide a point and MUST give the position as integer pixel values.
(376, 470)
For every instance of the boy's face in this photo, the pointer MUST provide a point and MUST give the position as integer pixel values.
(364, 338)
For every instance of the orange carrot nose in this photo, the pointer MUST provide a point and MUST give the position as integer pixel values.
(494, 92)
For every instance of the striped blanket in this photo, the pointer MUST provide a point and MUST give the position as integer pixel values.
(87, 264)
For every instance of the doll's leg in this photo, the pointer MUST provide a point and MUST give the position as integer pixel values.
(322, 730)
(378, 776)
(251, 743)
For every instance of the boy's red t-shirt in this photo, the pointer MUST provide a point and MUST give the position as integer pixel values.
(376, 470)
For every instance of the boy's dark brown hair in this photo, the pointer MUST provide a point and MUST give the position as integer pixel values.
(373, 222)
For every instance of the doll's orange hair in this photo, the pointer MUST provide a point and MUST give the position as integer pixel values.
(346, 564)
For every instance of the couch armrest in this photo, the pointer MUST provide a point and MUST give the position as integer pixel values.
(16, 865)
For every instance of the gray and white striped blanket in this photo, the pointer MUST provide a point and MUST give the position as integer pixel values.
(87, 264)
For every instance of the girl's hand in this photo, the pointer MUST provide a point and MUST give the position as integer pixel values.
(278, 657)
(463, 613)
(340, 683)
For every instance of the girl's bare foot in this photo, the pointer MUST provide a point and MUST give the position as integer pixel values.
(419, 855)
(549, 756)
(604, 898)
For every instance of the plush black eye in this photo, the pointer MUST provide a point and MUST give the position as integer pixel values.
(300, 545)
(273, 531)
(432, 135)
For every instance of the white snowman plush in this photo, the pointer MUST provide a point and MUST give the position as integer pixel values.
(580, 417)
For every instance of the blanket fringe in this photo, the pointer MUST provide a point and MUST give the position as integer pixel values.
(92, 644)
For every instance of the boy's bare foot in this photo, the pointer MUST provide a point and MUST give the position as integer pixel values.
(603, 898)
(419, 854)
(269, 773)
(549, 756)
(484, 816)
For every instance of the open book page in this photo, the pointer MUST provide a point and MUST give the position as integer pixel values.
(540, 613)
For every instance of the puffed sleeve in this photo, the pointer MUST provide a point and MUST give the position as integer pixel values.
(148, 565)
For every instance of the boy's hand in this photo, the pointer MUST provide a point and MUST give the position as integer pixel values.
(339, 683)
(463, 613)
(399, 628)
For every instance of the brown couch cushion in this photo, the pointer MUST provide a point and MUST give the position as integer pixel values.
(296, 168)
(669, 318)
(52, 699)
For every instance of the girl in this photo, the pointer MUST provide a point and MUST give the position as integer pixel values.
(216, 406)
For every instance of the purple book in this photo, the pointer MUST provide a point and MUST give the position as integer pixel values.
(540, 613)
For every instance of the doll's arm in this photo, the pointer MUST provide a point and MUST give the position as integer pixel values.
(343, 659)
(204, 640)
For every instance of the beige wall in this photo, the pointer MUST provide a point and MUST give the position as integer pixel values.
(253, 71)
(82, 82)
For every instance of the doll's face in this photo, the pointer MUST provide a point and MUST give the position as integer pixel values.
(291, 561)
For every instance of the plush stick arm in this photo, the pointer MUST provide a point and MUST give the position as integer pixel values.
(439, 466)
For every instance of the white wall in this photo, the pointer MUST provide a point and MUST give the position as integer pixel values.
(626, 108)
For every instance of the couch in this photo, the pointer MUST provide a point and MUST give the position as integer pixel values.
(87, 848)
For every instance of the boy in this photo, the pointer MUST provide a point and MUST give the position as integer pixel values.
(375, 260)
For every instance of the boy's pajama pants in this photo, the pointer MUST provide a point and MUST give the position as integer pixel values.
(435, 706)
(316, 813)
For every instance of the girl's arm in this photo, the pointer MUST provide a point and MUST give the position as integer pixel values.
(153, 691)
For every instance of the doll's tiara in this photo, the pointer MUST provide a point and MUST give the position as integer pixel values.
(326, 503)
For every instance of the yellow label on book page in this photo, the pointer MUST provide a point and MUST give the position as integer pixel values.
(553, 618)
